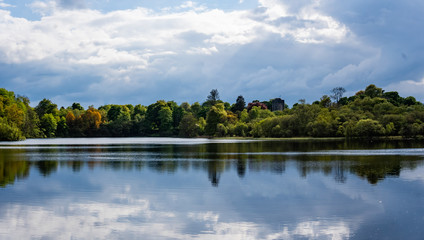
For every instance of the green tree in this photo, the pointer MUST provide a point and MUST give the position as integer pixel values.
(216, 114)
(325, 101)
(165, 119)
(48, 125)
(45, 106)
(153, 122)
(241, 129)
(239, 105)
(372, 91)
(393, 98)
(188, 126)
(9, 132)
(139, 109)
(114, 112)
(77, 106)
(213, 97)
(31, 128)
(409, 101)
(368, 128)
(62, 129)
(196, 109)
(324, 125)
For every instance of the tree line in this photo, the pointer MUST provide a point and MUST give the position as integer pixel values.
(369, 113)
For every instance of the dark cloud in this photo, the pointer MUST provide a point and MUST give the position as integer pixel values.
(72, 4)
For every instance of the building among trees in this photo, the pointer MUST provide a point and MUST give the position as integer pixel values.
(277, 104)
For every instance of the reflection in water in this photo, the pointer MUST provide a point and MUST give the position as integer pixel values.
(214, 158)
(243, 190)
(131, 221)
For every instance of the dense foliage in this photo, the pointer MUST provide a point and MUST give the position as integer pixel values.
(369, 113)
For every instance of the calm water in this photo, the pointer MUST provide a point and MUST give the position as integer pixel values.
(161, 188)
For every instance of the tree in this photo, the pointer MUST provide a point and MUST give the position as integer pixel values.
(216, 114)
(372, 91)
(325, 101)
(31, 126)
(48, 125)
(77, 106)
(256, 104)
(188, 126)
(153, 122)
(114, 112)
(213, 97)
(45, 106)
(177, 115)
(186, 106)
(393, 97)
(165, 121)
(337, 93)
(62, 129)
(239, 105)
(138, 109)
(196, 109)
(368, 128)
(9, 133)
(92, 120)
(409, 101)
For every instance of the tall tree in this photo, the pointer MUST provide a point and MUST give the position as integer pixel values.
(216, 115)
(337, 93)
(239, 105)
(213, 96)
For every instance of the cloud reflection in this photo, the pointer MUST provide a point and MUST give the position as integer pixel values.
(101, 220)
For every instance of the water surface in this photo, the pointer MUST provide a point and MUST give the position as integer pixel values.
(164, 188)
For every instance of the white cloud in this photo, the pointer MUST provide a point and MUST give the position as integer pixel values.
(412, 175)
(296, 46)
(5, 5)
(408, 88)
(137, 47)
(94, 220)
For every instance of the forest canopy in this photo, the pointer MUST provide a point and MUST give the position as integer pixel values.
(371, 112)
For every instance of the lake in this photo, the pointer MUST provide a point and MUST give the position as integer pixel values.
(169, 188)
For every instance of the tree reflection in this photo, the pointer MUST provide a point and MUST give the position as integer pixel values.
(214, 168)
(214, 160)
(339, 172)
(46, 167)
(241, 168)
(377, 168)
(12, 170)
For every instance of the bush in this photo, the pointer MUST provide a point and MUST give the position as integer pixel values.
(368, 128)
(10, 133)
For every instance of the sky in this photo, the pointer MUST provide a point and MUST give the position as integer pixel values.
(98, 52)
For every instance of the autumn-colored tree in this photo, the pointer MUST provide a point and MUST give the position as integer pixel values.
(92, 118)
(256, 104)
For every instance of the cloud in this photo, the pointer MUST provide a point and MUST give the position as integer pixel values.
(408, 88)
(128, 217)
(72, 4)
(5, 5)
(141, 55)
